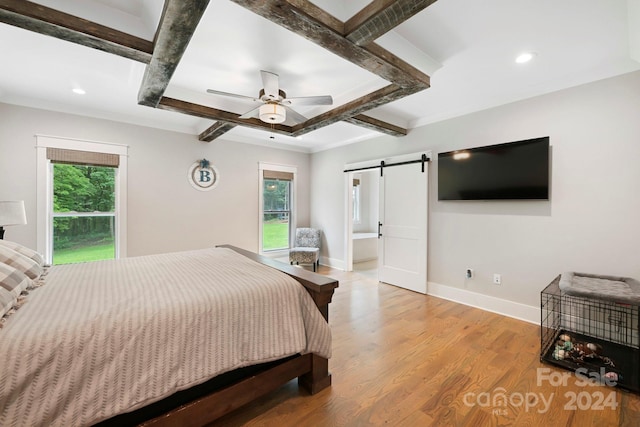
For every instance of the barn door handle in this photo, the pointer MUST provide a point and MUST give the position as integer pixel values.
(379, 229)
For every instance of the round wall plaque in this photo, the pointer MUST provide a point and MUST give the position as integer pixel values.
(203, 176)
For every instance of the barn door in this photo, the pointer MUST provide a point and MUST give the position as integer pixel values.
(402, 243)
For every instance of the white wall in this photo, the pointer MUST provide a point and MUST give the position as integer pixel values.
(164, 212)
(591, 224)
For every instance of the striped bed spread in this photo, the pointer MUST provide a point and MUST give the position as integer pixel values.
(108, 337)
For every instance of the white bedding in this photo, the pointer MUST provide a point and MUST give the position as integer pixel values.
(108, 337)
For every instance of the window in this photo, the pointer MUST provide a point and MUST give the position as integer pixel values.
(81, 200)
(83, 213)
(355, 197)
(276, 207)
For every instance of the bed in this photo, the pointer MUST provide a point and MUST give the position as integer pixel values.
(169, 339)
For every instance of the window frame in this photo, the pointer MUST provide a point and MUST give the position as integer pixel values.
(44, 185)
(356, 199)
(262, 166)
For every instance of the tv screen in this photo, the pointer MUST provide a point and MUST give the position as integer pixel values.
(511, 171)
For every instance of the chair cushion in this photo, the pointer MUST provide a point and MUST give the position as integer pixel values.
(304, 255)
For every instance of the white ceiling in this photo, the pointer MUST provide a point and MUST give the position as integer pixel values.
(468, 48)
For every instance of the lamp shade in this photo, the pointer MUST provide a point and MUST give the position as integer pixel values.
(272, 113)
(12, 213)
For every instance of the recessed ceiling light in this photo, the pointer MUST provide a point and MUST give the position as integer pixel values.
(78, 91)
(525, 57)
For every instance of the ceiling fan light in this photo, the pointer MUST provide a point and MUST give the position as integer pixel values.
(272, 113)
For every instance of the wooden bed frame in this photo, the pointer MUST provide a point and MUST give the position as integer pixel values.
(226, 393)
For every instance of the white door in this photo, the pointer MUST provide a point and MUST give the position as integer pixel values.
(402, 246)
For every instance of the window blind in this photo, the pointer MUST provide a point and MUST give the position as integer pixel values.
(282, 176)
(76, 157)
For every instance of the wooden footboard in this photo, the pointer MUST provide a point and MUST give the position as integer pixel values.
(212, 406)
(253, 382)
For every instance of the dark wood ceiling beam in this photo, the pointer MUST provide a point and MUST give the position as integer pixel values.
(180, 19)
(307, 20)
(184, 107)
(177, 25)
(221, 127)
(424, 82)
(375, 99)
(376, 125)
(297, 16)
(320, 15)
(44, 20)
(216, 130)
(379, 17)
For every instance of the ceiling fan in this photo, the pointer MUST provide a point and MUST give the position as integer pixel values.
(274, 106)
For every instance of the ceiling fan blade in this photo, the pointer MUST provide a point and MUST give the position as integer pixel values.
(217, 92)
(270, 84)
(249, 114)
(309, 100)
(293, 117)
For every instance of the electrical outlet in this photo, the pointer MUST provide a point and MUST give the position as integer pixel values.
(469, 273)
(497, 279)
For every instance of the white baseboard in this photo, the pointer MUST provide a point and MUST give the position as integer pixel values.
(355, 261)
(504, 307)
(332, 262)
(515, 310)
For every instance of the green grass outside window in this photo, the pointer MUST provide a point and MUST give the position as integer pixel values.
(275, 236)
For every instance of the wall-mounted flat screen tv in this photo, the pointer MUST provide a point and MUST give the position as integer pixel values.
(511, 171)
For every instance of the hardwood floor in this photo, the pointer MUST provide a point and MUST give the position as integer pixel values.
(405, 359)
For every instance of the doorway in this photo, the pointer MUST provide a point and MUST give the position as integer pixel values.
(400, 234)
(365, 203)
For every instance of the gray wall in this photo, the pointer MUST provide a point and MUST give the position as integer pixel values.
(591, 224)
(164, 212)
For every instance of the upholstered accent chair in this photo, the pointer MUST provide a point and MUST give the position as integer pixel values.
(306, 248)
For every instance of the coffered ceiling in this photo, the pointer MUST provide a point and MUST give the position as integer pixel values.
(389, 65)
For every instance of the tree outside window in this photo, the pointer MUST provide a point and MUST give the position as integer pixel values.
(83, 213)
(276, 214)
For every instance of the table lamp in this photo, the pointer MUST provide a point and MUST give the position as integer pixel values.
(11, 213)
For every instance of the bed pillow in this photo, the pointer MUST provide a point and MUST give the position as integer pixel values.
(29, 253)
(13, 280)
(20, 262)
(12, 284)
(7, 301)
